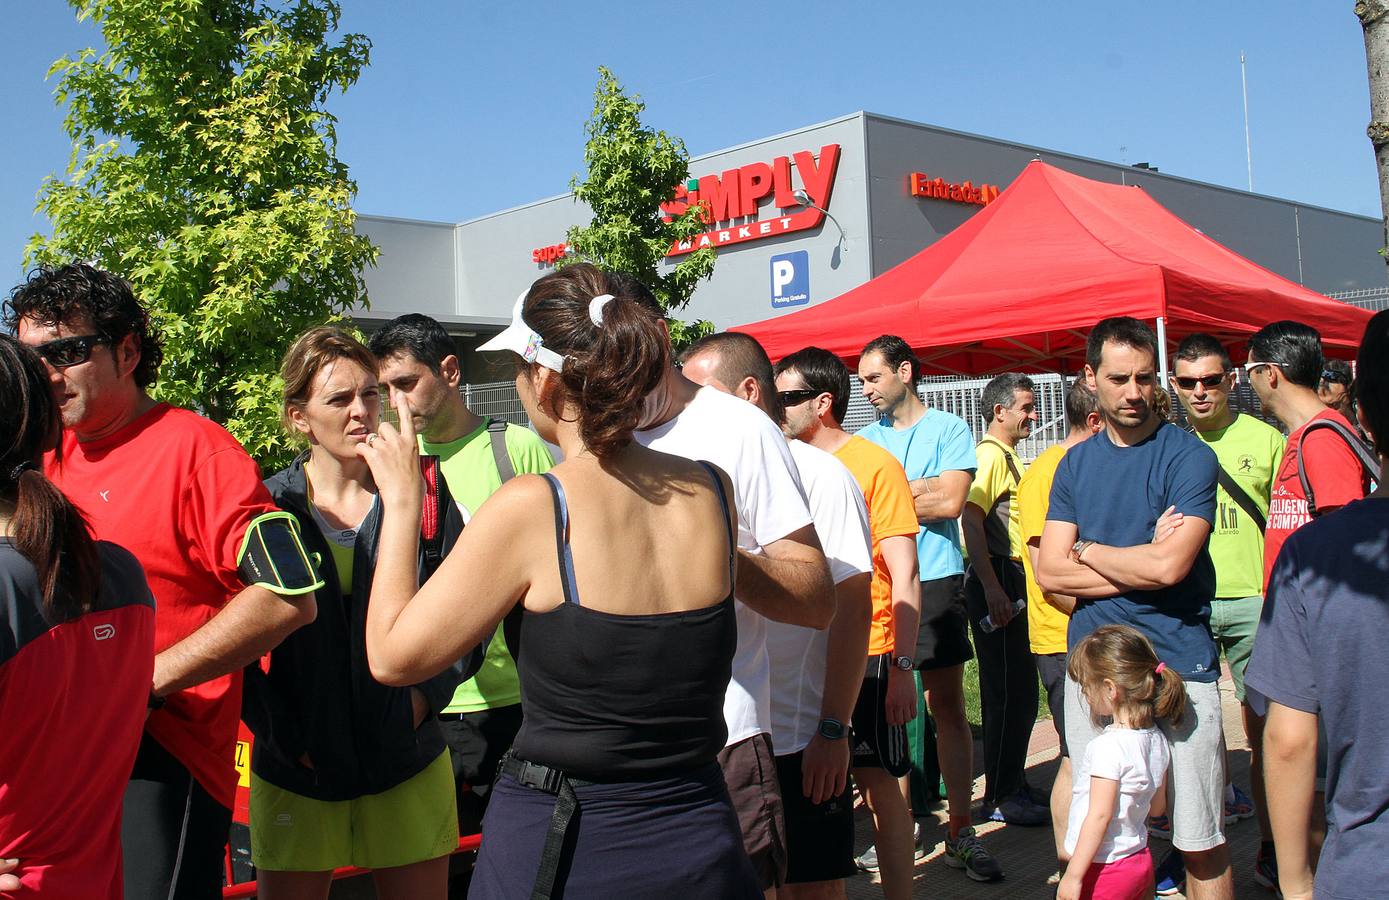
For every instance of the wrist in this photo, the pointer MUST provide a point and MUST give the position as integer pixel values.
(832, 729)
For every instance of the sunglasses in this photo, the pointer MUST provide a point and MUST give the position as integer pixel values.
(1249, 367)
(70, 351)
(1188, 383)
(791, 398)
(1335, 377)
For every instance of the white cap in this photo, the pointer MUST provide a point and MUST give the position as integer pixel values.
(523, 340)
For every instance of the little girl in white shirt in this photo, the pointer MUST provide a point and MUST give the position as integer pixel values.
(1123, 776)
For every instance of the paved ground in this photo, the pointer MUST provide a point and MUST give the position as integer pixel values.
(1027, 854)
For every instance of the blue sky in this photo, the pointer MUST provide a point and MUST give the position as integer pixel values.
(469, 108)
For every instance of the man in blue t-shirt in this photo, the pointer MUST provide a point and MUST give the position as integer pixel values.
(1320, 655)
(937, 451)
(1130, 515)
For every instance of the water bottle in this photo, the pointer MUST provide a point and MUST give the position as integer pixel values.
(986, 624)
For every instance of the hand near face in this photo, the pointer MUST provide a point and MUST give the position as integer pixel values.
(394, 458)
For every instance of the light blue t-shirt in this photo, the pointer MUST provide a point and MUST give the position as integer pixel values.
(938, 442)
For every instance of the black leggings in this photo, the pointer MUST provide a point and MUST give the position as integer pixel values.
(173, 834)
(1007, 684)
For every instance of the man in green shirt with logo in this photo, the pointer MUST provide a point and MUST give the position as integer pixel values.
(1249, 452)
(417, 360)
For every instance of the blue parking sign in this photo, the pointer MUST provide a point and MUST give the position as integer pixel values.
(790, 279)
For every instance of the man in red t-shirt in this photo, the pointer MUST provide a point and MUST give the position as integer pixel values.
(228, 572)
(1284, 368)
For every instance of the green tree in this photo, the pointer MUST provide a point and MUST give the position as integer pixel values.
(204, 171)
(631, 171)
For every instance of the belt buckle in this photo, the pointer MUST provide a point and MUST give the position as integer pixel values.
(541, 778)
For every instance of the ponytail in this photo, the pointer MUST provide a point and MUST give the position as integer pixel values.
(1169, 701)
(46, 528)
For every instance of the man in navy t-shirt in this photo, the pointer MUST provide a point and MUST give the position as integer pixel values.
(1320, 654)
(1131, 511)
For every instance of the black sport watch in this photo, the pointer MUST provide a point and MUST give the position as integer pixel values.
(832, 729)
(905, 663)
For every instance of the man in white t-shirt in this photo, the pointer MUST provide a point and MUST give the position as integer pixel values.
(782, 575)
(815, 675)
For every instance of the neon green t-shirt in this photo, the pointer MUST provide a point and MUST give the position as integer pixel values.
(472, 477)
(1251, 452)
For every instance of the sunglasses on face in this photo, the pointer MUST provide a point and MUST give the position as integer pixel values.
(70, 351)
(791, 398)
(1188, 383)
(1249, 367)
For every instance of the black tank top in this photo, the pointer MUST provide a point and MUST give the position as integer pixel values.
(610, 697)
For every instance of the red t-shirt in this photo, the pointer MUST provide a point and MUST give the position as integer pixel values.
(74, 699)
(178, 491)
(1336, 476)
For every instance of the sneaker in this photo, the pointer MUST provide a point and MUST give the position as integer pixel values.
(967, 852)
(1160, 827)
(1020, 810)
(1170, 875)
(1266, 872)
(868, 860)
(1242, 807)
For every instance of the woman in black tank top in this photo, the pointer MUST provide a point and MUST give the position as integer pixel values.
(612, 787)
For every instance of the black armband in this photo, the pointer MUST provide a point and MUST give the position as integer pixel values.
(273, 557)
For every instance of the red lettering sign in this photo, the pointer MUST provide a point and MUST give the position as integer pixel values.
(546, 256)
(922, 185)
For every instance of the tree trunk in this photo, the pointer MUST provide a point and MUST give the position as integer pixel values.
(1374, 19)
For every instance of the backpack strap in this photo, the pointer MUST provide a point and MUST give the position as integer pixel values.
(1007, 458)
(1368, 462)
(496, 433)
(1241, 498)
(431, 518)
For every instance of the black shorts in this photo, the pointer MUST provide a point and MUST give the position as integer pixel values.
(819, 836)
(1052, 669)
(477, 741)
(750, 772)
(943, 639)
(878, 745)
(173, 834)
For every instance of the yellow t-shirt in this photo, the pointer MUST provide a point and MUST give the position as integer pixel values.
(1046, 624)
(993, 491)
(890, 514)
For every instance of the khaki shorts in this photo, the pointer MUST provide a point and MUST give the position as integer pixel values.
(414, 821)
(1196, 781)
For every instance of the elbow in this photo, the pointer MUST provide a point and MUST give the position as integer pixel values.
(1289, 748)
(823, 609)
(952, 508)
(291, 614)
(386, 672)
(1172, 571)
(1046, 579)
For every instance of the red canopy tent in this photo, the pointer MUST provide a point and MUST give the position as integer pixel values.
(1017, 287)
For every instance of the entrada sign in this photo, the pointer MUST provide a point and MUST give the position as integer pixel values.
(733, 195)
(923, 185)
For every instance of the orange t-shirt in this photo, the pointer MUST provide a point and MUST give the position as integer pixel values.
(890, 514)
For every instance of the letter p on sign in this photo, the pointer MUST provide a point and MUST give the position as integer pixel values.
(790, 279)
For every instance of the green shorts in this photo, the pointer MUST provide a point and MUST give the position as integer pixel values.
(414, 821)
(1233, 623)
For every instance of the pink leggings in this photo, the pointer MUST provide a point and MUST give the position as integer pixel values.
(1130, 878)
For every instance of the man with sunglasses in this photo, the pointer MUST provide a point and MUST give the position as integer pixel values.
(228, 572)
(1249, 452)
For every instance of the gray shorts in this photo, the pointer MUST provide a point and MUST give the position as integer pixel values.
(1197, 778)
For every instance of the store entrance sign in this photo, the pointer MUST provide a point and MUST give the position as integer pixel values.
(923, 185)
(790, 279)
(730, 200)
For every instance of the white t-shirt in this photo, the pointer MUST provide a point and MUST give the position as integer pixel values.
(1137, 758)
(797, 654)
(740, 439)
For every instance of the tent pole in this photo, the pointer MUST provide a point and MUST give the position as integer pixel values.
(1162, 351)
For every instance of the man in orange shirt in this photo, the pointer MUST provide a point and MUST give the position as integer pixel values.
(813, 386)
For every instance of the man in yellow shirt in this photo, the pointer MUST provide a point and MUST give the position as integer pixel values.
(1049, 614)
(994, 585)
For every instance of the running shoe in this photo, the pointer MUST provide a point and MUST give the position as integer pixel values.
(1160, 827)
(968, 852)
(868, 860)
(1266, 872)
(1242, 807)
(1170, 875)
(1020, 810)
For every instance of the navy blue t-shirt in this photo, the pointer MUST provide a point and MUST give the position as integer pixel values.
(1114, 496)
(1321, 649)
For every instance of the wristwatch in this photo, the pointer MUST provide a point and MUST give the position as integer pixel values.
(1078, 548)
(832, 729)
(905, 663)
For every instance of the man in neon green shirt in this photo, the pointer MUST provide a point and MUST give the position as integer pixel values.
(417, 361)
(1249, 452)
(1049, 615)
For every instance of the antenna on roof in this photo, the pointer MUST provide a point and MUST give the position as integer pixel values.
(1248, 151)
